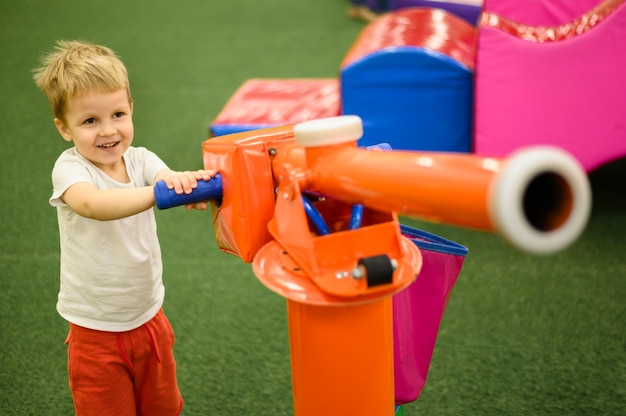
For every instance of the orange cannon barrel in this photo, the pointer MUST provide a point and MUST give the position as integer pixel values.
(450, 188)
(539, 198)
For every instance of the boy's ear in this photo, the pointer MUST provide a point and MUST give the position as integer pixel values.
(63, 130)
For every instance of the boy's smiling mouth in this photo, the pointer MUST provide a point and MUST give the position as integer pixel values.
(108, 145)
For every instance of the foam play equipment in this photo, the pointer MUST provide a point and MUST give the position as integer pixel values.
(552, 72)
(409, 76)
(263, 103)
(535, 72)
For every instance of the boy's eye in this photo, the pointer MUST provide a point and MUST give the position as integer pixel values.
(118, 114)
(90, 120)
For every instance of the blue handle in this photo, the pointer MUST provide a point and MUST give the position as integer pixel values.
(206, 190)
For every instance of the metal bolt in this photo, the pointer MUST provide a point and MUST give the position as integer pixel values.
(358, 273)
(394, 264)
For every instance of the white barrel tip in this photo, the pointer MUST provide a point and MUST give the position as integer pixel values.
(541, 200)
(328, 131)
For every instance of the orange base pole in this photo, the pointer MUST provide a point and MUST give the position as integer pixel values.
(342, 358)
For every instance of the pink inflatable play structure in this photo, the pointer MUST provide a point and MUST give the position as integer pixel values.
(552, 71)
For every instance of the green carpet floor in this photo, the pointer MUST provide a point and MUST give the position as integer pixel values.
(522, 335)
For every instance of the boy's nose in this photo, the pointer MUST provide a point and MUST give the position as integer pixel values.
(107, 129)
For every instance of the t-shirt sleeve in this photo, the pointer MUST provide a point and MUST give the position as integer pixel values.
(67, 172)
(152, 165)
(142, 166)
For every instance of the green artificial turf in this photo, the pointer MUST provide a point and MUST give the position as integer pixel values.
(522, 335)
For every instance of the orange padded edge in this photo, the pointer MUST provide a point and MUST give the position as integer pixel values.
(247, 204)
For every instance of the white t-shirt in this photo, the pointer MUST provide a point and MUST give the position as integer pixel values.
(111, 271)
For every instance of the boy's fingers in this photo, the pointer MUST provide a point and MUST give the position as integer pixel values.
(201, 206)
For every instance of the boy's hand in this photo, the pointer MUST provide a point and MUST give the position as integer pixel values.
(201, 206)
(186, 182)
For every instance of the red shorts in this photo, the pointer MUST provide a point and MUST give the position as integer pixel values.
(129, 373)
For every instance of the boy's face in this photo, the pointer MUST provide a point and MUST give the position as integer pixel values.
(100, 125)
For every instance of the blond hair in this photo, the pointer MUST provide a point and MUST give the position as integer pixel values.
(75, 68)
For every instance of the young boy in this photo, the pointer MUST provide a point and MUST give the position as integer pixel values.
(120, 343)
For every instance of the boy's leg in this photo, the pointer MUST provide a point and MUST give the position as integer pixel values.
(156, 387)
(99, 378)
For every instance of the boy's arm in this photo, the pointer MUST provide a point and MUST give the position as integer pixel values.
(107, 204)
(112, 204)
